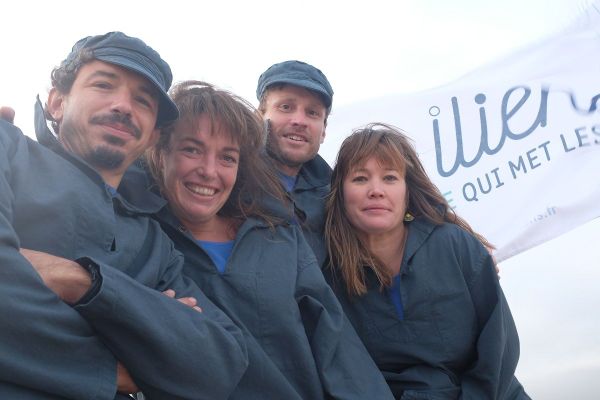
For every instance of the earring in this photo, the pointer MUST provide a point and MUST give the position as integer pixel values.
(408, 217)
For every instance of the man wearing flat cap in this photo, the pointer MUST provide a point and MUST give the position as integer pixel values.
(82, 266)
(295, 101)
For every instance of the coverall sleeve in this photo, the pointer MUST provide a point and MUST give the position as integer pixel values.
(492, 374)
(45, 345)
(346, 369)
(171, 350)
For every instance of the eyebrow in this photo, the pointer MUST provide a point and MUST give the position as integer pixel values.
(149, 90)
(106, 74)
(202, 144)
(293, 99)
(385, 169)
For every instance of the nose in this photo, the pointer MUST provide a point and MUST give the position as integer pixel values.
(122, 101)
(299, 118)
(207, 167)
(375, 192)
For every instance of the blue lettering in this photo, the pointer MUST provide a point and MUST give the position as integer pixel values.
(488, 188)
(498, 181)
(593, 104)
(596, 131)
(541, 119)
(520, 165)
(564, 143)
(449, 199)
(473, 195)
(545, 147)
(531, 158)
(581, 136)
(484, 145)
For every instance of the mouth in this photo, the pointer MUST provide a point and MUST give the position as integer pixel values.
(200, 190)
(122, 128)
(375, 209)
(295, 138)
(117, 125)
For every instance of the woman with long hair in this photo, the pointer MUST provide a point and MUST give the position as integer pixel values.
(418, 284)
(228, 215)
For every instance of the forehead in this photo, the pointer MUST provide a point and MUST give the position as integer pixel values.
(203, 129)
(291, 92)
(112, 71)
(377, 162)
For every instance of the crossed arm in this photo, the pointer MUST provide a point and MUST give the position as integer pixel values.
(55, 344)
(70, 282)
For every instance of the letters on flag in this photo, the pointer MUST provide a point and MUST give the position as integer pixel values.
(515, 146)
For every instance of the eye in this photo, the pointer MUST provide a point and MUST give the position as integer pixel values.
(144, 101)
(102, 85)
(285, 107)
(314, 113)
(190, 150)
(390, 177)
(230, 159)
(359, 179)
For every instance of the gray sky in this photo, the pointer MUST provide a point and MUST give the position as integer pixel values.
(367, 49)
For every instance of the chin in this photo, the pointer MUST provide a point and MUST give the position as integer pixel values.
(377, 229)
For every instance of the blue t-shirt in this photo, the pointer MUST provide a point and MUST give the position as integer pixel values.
(218, 252)
(395, 297)
(113, 191)
(288, 182)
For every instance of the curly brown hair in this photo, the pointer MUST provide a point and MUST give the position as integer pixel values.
(63, 77)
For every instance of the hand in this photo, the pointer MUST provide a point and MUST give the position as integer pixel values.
(7, 114)
(125, 383)
(188, 301)
(69, 280)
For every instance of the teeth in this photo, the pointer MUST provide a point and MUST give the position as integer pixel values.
(296, 138)
(201, 190)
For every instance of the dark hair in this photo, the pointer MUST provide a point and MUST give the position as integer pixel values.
(392, 147)
(63, 77)
(256, 179)
(262, 105)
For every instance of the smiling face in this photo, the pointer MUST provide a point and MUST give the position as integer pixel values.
(297, 118)
(199, 170)
(108, 117)
(375, 199)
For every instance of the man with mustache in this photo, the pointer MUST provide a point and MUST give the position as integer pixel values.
(82, 267)
(295, 101)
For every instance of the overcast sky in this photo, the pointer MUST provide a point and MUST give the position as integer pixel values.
(367, 49)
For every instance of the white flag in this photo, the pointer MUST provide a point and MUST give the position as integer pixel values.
(515, 146)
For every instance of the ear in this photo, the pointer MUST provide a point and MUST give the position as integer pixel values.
(322, 136)
(56, 104)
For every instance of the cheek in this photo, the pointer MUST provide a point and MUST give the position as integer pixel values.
(231, 178)
(172, 172)
(349, 202)
(322, 135)
(351, 194)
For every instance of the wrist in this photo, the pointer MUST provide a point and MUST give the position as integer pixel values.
(71, 282)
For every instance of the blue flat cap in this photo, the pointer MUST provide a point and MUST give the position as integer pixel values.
(296, 73)
(132, 53)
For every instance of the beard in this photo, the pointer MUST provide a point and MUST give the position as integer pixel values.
(275, 152)
(105, 158)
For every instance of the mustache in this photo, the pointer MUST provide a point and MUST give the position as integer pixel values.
(115, 118)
